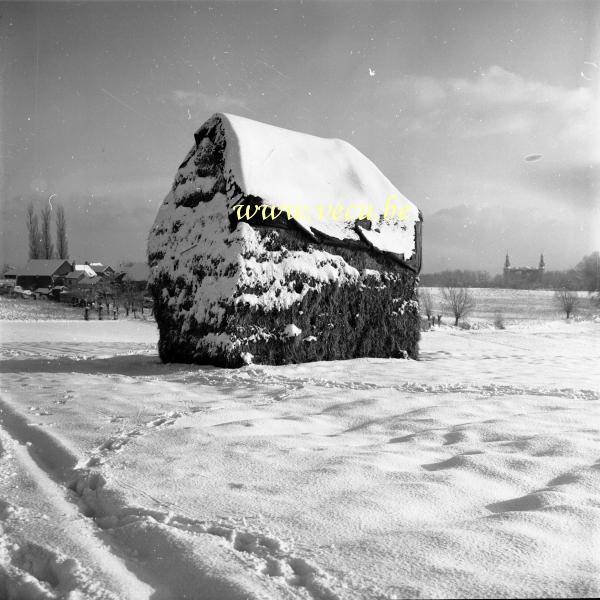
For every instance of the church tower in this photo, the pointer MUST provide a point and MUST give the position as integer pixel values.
(542, 263)
(506, 269)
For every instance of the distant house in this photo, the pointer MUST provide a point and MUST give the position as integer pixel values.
(7, 280)
(43, 273)
(72, 278)
(11, 274)
(102, 270)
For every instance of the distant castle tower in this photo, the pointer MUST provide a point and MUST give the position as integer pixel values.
(523, 277)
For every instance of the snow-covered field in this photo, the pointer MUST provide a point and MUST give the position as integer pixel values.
(472, 472)
(18, 309)
(519, 306)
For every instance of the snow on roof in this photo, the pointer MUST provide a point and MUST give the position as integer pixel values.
(99, 268)
(86, 269)
(288, 168)
(42, 267)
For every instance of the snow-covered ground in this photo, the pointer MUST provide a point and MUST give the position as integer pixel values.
(472, 472)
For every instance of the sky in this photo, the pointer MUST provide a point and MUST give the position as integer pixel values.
(99, 102)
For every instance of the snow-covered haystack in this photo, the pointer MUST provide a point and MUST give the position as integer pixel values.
(314, 273)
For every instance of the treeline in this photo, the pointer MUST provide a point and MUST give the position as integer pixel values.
(39, 231)
(113, 294)
(584, 276)
(460, 277)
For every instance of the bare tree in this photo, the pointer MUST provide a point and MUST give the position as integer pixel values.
(459, 301)
(47, 246)
(499, 320)
(133, 297)
(34, 233)
(567, 300)
(426, 302)
(62, 244)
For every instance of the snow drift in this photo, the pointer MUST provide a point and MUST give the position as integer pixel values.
(336, 264)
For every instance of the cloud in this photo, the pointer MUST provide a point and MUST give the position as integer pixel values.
(465, 138)
(494, 102)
